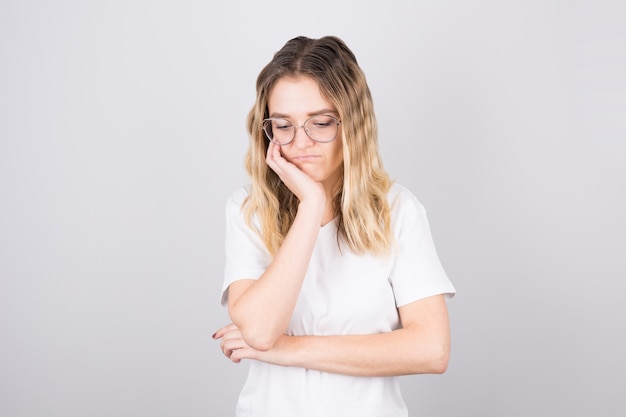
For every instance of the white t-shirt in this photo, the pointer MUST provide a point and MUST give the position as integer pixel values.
(342, 294)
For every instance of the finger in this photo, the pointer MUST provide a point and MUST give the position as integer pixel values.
(271, 151)
(269, 158)
(221, 332)
(232, 340)
(274, 159)
(243, 353)
(232, 345)
(232, 337)
(281, 166)
(277, 156)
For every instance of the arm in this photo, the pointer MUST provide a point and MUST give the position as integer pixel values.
(422, 345)
(261, 309)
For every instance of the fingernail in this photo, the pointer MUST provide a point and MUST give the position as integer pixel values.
(214, 335)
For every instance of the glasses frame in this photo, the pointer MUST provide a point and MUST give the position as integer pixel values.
(337, 120)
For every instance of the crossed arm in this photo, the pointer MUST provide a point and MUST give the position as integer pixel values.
(422, 345)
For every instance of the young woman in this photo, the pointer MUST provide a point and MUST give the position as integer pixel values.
(332, 280)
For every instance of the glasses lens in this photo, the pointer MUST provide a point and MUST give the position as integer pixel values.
(322, 128)
(279, 131)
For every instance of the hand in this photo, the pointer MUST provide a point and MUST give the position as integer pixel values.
(232, 344)
(293, 177)
(235, 347)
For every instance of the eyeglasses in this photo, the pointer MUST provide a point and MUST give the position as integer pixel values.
(321, 128)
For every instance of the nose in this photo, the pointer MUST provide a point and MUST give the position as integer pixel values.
(301, 139)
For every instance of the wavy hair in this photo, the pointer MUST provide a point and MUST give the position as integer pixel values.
(360, 202)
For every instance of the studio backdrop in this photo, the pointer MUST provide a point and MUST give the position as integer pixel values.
(122, 133)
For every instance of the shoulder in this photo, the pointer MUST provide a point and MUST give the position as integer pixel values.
(237, 198)
(401, 200)
(407, 213)
(235, 213)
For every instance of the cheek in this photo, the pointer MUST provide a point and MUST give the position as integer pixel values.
(284, 152)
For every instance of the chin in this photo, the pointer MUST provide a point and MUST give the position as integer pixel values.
(313, 175)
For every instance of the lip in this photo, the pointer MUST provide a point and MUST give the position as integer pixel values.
(304, 158)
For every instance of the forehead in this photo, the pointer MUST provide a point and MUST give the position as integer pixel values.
(297, 96)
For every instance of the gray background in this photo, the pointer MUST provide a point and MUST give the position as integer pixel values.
(122, 134)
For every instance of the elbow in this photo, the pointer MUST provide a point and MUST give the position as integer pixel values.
(439, 359)
(432, 361)
(260, 339)
(439, 364)
(258, 336)
(260, 343)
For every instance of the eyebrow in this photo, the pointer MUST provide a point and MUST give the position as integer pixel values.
(314, 113)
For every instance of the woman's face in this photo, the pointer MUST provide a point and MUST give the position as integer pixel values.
(297, 99)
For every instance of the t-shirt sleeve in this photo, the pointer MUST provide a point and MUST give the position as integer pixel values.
(246, 255)
(417, 271)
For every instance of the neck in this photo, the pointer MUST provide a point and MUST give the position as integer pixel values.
(330, 209)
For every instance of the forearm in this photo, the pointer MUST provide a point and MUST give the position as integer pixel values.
(401, 352)
(262, 311)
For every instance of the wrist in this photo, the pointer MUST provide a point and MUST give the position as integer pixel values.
(313, 206)
(286, 351)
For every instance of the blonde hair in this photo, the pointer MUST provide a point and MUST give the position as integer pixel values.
(360, 202)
